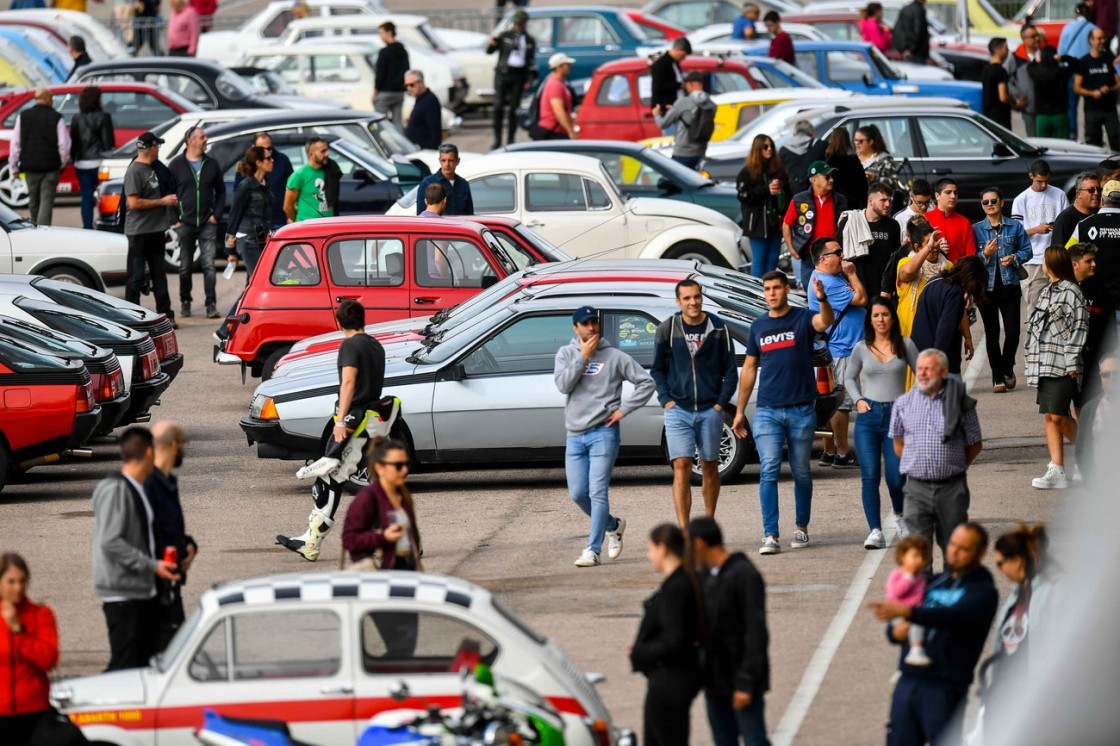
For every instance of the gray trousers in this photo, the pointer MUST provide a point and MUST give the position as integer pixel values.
(933, 509)
(41, 187)
(390, 103)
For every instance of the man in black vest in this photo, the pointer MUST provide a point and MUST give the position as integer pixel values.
(40, 148)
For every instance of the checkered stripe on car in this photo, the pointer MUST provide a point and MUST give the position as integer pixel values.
(367, 586)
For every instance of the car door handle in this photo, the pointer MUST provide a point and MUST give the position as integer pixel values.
(340, 689)
(939, 171)
(423, 301)
(341, 298)
(611, 48)
(535, 224)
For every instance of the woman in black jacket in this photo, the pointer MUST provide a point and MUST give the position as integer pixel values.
(849, 179)
(250, 214)
(91, 136)
(764, 193)
(667, 650)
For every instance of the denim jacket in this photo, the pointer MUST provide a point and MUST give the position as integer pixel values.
(1013, 241)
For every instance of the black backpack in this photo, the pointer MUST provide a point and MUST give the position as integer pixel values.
(528, 116)
(703, 124)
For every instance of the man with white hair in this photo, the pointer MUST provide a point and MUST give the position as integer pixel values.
(425, 125)
(936, 435)
(40, 148)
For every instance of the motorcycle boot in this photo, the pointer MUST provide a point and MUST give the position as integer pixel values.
(308, 543)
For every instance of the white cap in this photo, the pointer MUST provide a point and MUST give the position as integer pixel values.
(559, 59)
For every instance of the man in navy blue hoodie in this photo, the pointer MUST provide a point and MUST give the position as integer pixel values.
(957, 613)
(694, 369)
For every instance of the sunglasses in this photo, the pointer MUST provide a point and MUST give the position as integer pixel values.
(1091, 190)
(838, 252)
(989, 202)
(398, 465)
(768, 146)
(860, 140)
(411, 85)
(923, 204)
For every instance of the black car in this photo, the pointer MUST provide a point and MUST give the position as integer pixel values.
(203, 82)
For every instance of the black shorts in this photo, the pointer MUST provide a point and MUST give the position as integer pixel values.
(1056, 394)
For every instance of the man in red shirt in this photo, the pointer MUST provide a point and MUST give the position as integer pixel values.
(812, 214)
(781, 43)
(555, 121)
(957, 238)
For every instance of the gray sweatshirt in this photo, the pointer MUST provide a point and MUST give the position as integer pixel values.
(594, 387)
(123, 565)
(684, 111)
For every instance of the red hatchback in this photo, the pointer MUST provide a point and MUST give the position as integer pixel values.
(396, 267)
(134, 107)
(616, 106)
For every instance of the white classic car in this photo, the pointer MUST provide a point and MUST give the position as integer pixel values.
(95, 259)
(323, 651)
(572, 201)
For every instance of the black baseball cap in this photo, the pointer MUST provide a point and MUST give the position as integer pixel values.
(584, 314)
(147, 140)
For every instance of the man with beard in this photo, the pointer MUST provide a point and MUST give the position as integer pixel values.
(871, 251)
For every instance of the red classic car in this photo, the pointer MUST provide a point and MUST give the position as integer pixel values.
(616, 106)
(134, 107)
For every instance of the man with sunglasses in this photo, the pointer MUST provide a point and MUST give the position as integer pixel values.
(425, 123)
(812, 214)
(1103, 230)
(921, 197)
(1086, 202)
(1036, 208)
(277, 181)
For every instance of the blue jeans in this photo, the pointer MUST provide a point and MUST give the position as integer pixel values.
(729, 724)
(588, 461)
(764, 254)
(806, 269)
(773, 427)
(872, 439)
(87, 183)
(687, 432)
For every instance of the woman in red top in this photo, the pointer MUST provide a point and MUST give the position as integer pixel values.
(28, 651)
(381, 522)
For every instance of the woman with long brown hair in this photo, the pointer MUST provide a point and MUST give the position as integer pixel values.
(872, 152)
(250, 213)
(380, 527)
(764, 193)
(849, 178)
(91, 137)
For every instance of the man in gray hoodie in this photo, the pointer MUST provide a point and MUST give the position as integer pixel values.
(696, 113)
(590, 373)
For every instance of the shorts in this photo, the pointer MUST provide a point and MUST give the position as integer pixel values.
(687, 432)
(839, 369)
(1056, 394)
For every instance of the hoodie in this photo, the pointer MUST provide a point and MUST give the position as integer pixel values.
(956, 614)
(738, 658)
(202, 194)
(594, 386)
(797, 154)
(699, 381)
(685, 110)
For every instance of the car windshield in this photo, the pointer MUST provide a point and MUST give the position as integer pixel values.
(232, 86)
(498, 290)
(76, 297)
(543, 245)
(800, 78)
(674, 170)
(391, 138)
(886, 69)
(46, 339)
(12, 221)
(449, 339)
(22, 356)
(503, 258)
(1013, 141)
(635, 29)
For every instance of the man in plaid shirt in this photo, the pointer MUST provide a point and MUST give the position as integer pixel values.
(936, 435)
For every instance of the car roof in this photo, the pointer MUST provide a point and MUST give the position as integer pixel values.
(272, 118)
(517, 161)
(139, 63)
(565, 9)
(335, 21)
(320, 226)
(621, 146)
(313, 45)
(691, 62)
(773, 95)
(829, 46)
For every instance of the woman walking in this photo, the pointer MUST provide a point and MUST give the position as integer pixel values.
(28, 651)
(1056, 332)
(764, 193)
(250, 213)
(91, 136)
(1004, 247)
(380, 530)
(883, 356)
(849, 178)
(667, 650)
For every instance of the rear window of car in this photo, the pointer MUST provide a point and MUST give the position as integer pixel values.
(22, 356)
(296, 264)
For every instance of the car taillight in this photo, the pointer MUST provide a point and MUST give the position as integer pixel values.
(826, 382)
(149, 366)
(167, 345)
(602, 732)
(85, 397)
(103, 174)
(108, 204)
(108, 386)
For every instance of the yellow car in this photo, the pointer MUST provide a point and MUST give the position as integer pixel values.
(10, 76)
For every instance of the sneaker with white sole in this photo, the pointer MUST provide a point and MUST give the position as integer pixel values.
(875, 540)
(588, 558)
(770, 545)
(1053, 479)
(900, 526)
(800, 539)
(614, 539)
(320, 468)
(917, 657)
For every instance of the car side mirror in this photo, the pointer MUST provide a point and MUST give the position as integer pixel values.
(668, 187)
(362, 175)
(488, 280)
(1000, 150)
(453, 372)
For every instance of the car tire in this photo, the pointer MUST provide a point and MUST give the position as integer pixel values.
(171, 254)
(697, 250)
(13, 194)
(269, 364)
(5, 464)
(734, 453)
(68, 273)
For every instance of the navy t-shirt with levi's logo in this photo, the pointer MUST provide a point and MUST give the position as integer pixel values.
(784, 348)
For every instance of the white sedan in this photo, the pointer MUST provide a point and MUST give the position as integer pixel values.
(572, 201)
(96, 259)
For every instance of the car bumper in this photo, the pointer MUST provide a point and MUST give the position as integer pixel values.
(221, 357)
(172, 365)
(85, 424)
(113, 412)
(144, 396)
(273, 441)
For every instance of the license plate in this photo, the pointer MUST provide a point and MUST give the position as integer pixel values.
(64, 186)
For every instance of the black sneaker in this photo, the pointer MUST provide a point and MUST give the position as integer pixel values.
(827, 459)
(185, 310)
(847, 461)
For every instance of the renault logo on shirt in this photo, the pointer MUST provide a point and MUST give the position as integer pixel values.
(593, 369)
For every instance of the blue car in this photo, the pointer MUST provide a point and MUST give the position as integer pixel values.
(780, 74)
(50, 66)
(589, 34)
(861, 68)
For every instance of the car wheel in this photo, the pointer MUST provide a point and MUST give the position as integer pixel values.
(72, 275)
(695, 251)
(734, 453)
(269, 364)
(13, 192)
(5, 463)
(171, 252)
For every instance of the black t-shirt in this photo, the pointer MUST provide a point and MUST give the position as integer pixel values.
(1102, 321)
(870, 267)
(1095, 74)
(1064, 224)
(367, 355)
(994, 108)
(694, 335)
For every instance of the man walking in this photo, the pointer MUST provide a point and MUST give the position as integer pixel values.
(149, 191)
(737, 671)
(781, 346)
(1037, 207)
(694, 369)
(955, 229)
(1100, 341)
(1103, 230)
(911, 33)
(458, 189)
(126, 557)
(514, 74)
(957, 611)
(1086, 202)
(692, 118)
(590, 373)
(40, 147)
(554, 117)
(162, 488)
(201, 189)
(388, 74)
(1020, 84)
(313, 190)
(667, 80)
(812, 214)
(425, 123)
(870, 248)
(995, 84)
(847, 297)
(1074, 42)
(802, 149)
(936, 435)
(1096, 81)
(921, 197)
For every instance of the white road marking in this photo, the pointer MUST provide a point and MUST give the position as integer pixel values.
(973, 366)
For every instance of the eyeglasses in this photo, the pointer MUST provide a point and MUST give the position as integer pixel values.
(1091, 190)
(920, 203)
(989, 202)
(398, 465)
(860, 140)
(838, 252)
(411, 85)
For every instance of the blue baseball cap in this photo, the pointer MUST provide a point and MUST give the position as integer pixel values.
(584, 314)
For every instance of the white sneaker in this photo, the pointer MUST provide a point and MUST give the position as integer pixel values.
(587, 558)
(770, 545)
(320, 468)
(917, 657)
(800, 539)
(614, 539)
(1053, 479)
(875, 540)
(900, 526)
(1075, 474)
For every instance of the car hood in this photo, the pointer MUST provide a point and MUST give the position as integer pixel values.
(718, 151)
(397, 347)
(1055, 145)
(108, 690)
(299, 103)
(923, 72)
(320, 371)
(671, 208)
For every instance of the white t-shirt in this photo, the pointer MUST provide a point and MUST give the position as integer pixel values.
(1033, 208)
(902, 218)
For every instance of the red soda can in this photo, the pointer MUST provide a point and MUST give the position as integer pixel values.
(171, 556)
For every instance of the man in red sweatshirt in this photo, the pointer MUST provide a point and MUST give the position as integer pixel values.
(957, 238)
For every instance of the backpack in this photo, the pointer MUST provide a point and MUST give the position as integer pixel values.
(703, 124)
(528, 116)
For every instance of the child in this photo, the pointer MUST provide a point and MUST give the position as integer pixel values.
(906, 585)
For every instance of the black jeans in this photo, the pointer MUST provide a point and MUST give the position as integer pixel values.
(44, 728)
(1095, 121)
(665, 714)
(509, 87)
(1005, 301)
(146, 252)
(205, 237)
(134, 630)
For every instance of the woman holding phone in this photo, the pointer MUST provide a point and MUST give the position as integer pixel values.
(380, 531)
